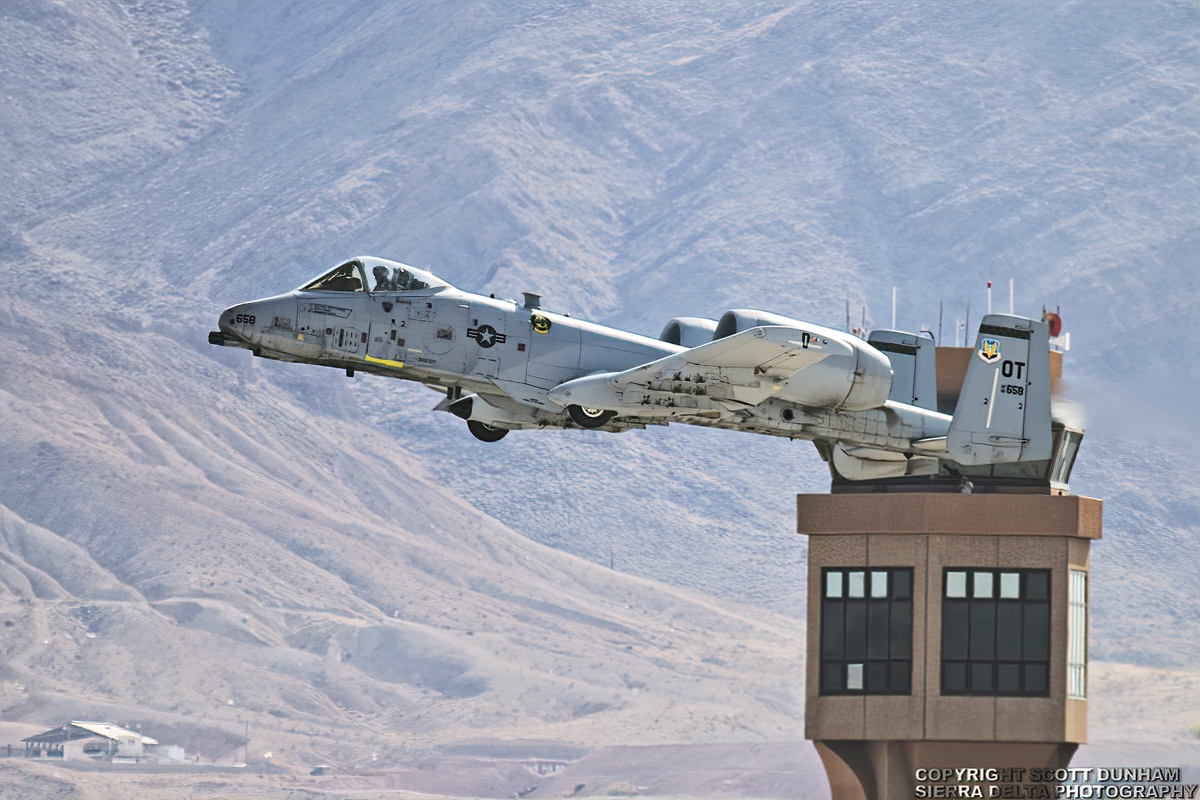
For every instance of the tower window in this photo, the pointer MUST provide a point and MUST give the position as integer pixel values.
(996, 632)
(1077, 637)
(866, 630)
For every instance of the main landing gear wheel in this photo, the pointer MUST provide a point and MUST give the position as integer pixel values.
(486, 433)
(589, 417)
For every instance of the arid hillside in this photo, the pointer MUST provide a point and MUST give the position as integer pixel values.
(254, 558)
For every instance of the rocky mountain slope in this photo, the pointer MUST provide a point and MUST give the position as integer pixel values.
(193, 537)
(633, 166)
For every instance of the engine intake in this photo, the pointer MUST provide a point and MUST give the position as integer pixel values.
(688, 331)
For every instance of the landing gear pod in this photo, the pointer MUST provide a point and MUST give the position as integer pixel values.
(481, 417)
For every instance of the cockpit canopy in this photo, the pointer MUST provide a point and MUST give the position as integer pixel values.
(386, 276)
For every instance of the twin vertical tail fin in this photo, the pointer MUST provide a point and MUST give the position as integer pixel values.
(1003, 411)
(914, 366)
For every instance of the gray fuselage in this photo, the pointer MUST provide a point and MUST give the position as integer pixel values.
(416, 327)
(437, 335)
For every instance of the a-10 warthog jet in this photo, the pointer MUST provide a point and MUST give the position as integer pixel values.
(511, 366)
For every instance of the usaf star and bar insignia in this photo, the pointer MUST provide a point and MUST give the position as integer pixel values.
(486, 336)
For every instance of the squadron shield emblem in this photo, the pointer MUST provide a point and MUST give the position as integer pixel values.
(989, 350)
(539, 323)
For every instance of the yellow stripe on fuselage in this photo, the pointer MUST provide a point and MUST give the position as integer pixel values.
(385, 362)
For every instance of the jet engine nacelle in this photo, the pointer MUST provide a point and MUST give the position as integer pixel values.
(743, 319)
(854, 376)
(688, 331)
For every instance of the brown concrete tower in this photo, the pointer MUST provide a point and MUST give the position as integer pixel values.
(947, 629)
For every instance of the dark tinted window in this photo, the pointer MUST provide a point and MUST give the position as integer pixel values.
(866, 630)
(995, 631)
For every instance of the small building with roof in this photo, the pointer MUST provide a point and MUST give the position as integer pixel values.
(80, 740)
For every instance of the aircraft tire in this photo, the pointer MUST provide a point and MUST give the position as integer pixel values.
(589, 417)
(485, 433)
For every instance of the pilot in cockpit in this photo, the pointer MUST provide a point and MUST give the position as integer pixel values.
(382, 282)
(401, 280)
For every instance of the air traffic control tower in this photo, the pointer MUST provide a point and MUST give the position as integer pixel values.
(947, 614)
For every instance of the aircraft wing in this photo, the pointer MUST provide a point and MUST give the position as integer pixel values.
(743, 369)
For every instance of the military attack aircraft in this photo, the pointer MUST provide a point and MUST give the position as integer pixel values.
(869, 405)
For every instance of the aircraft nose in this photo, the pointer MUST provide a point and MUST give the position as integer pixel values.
(225, 321)
(240, 321)
(268, 322)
